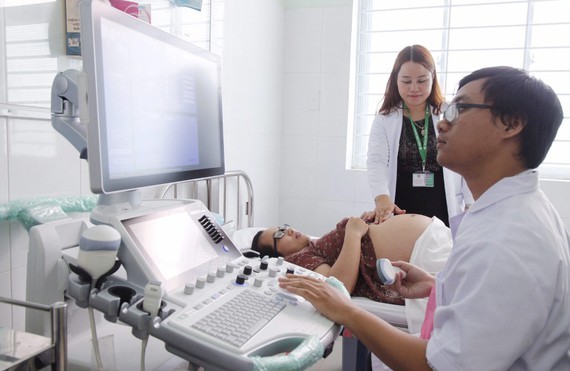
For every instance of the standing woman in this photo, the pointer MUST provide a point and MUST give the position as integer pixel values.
(403, 172)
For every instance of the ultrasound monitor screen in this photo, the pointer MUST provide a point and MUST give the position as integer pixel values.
(171, 242)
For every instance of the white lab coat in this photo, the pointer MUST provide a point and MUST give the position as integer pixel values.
(503, 298)
(382, 163)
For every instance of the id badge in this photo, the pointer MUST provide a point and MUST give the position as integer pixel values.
(423, 179)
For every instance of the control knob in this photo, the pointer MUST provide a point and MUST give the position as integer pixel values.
(247, 270)
(211, 277)
(220, 272)
(189, 288)
(200, 282)
(240, 279)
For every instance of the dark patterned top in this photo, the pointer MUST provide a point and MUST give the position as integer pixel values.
(327, 249)
(420, 200)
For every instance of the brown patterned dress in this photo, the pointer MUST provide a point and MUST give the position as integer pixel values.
(327, 249)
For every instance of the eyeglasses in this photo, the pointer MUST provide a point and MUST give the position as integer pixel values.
(279, 233)
(452, 111)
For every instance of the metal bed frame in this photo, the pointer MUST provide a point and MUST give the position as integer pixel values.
(218, 193)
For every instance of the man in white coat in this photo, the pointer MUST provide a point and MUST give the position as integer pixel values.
(502, 301)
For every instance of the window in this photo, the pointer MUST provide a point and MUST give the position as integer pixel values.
(463, 35)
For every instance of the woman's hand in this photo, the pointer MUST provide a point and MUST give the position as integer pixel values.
(417, 284)
(383, 210)
(356, 226)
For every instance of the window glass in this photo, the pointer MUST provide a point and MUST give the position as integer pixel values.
(546, 12)
(487, 38)
(564, 131)
(413, 19)
(551, 35)
(549, 58)
(487, 15)
(469, 60)
(385, 5)
(396, 40)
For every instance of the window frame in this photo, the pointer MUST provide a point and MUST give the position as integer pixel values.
(360, 93)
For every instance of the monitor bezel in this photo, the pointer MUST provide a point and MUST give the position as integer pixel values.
(92, 12)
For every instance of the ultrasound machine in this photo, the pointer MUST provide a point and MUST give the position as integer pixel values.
(146, 110)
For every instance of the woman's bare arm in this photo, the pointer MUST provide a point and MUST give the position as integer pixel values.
(346, 267)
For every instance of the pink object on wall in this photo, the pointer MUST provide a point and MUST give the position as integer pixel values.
(128, 7)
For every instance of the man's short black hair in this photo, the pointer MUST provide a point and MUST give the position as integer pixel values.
(519, 96)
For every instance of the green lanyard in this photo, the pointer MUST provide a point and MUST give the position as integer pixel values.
(422, 147)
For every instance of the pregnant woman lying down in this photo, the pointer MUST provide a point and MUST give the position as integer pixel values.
(349, 252)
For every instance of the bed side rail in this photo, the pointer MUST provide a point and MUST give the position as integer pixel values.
(229, 195)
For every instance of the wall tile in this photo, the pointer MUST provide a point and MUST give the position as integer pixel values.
(5, 251)
(337, 28)
(19, 242)
(333, 115)
(328, 213)
(303, 41)
(266, 211)
(19, 292)
(42, 162)
(3, 161)
(301, 103)
(333, 181)
(5, 291)
(360, 207)
(259, 156)
(300, 213)
(298, 166)
(361, 188)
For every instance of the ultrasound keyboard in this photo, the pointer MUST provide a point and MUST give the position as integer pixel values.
(240, 318)
(244, 309)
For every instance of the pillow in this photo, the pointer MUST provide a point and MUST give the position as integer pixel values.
(242, 237)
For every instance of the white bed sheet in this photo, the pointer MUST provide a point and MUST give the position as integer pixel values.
(242, 237)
